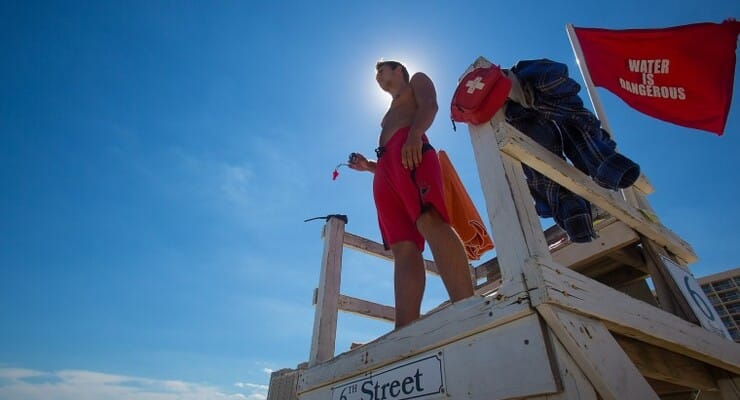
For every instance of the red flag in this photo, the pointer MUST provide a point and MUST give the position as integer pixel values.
(682, 74)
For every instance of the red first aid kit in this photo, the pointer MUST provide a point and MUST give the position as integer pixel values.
(479, 94)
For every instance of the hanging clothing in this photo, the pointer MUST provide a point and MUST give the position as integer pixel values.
(554, 116)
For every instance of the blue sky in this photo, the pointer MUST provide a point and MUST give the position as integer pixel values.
(158, 159)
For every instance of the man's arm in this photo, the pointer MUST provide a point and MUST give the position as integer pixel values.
(360, 163)
(426, 102)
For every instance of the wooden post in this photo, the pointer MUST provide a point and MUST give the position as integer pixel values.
(327, 298)
(283, 385)
(669, 296)
(514, 223)
(597, 353)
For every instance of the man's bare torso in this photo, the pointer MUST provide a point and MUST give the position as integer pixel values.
(400, 114)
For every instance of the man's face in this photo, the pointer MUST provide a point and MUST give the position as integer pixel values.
(384, 76)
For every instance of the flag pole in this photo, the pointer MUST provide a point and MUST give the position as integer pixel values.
(595, 101)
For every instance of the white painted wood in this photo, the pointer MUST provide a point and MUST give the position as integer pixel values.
(575, 385)
(643, 185)
(663, 365)
(515, 227)
(367, 246)
(641, 291)
(323, 340)
(524, 206)
(491, 365)
(634, 318)
(503, 362)
(597, 353)
(367, 308)
(632, 257)
(457, 321)
(505, 228)
(523, 148)
(611, 238)
(669, 297)
(376, 249)
(696, 298)
(283, 385)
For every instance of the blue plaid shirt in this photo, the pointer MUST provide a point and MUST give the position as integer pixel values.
(559, 122)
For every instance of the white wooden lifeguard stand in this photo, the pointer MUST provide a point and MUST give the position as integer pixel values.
(560, 321)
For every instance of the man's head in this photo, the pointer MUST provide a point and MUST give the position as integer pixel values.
(393, 66)
(389, 70)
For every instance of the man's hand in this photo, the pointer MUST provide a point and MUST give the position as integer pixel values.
(411, 152)
(358, 162)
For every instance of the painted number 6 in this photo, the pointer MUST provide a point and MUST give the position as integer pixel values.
(698, 300)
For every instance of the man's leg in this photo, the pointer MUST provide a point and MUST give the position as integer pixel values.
(409, 279)
(449, 254)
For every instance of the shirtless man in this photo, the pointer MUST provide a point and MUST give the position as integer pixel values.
(407, 188)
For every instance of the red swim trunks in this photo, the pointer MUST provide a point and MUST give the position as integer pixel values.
(402, 195)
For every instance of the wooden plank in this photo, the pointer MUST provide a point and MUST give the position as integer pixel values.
(599, 267)
(598, 355)
(611, 238)
(729, 385)
(631, 256)
(706, 396)
(641, 291)
(672, 391)
(488, 365)
(489, 270)
(518, 145)
(514, 223)
(620, 277)
(457, 321)
(323, 340)
(376, 249)
(669, 295)
(656, 363)
(575, 385)
(283, 385)
(367, 246)
(614, 236)
(367, 308)
(698, 301)
(643, 185)
(488, 288)
(507, 352)
(634, 318)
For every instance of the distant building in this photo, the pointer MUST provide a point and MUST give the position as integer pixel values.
(723, 290)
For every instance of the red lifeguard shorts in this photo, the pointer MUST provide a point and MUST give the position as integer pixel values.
(402, 195)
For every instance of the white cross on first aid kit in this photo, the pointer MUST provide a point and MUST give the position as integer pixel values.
(474, 84)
